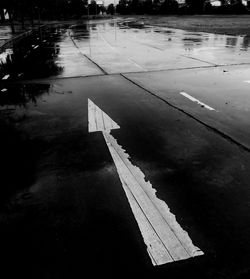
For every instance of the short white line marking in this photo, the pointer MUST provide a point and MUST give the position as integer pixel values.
(166, 241)
(196, 100)
(247, 81)
(36, 47)
(4, 90)
(5, 77)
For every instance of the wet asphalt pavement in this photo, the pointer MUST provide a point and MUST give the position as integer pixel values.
(64, 213)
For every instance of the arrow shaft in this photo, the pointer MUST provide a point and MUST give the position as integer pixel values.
(166, 241)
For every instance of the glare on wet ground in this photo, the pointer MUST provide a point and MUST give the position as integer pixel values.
(117, 47)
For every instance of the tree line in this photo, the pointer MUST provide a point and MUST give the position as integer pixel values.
(173, 7)
(22, 10)
(47, 9)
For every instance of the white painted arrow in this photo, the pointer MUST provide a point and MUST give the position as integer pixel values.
(166, 241)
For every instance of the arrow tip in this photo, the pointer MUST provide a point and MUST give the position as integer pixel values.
(99, 120)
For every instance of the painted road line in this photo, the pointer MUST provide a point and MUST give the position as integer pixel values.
(247, 81)
(4, 90)
(5, 77)
(166, 241)
(196, 100)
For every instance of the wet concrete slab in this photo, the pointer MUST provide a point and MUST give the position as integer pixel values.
(65, 205)
(221, 56)
(49, 53)
(76, 199)
(113, 47)
(211, 48)
(225, 89)
(108, 45)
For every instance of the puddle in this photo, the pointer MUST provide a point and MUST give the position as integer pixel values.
(59, 52)
(20, 95)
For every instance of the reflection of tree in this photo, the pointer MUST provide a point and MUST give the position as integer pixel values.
(231, 41)
(193, 40)
(32, 63)
(246, 42)
(188, 45)
(78, 30)
(22, 94)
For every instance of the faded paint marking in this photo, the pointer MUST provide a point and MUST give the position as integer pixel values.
(247, 81)
(196, 100)
(166, 241)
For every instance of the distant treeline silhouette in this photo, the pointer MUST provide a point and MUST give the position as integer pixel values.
(173, 7)
(22, 10)
(48, 8)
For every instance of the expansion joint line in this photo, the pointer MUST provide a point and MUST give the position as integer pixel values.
(197, 59)
(215, 130)
(84, 55)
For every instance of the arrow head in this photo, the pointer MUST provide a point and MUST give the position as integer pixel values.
(99, 120)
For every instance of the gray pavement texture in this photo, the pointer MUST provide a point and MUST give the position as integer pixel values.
(63, 212)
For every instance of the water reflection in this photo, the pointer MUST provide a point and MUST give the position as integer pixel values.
(80, 32)
(194, 39)
(231, 41)
(216, 40)
(33, 56)
(245, 42)
(65, 51)
(20, 95)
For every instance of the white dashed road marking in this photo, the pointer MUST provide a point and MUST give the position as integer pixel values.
(166, 241)
(196, 100)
